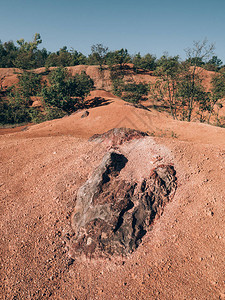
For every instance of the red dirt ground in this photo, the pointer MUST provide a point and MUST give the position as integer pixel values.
(43, 166)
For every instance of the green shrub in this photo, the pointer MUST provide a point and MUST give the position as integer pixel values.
(147, 62)
(36, 115)
(54, 113)
(13, 112)
(134, 92)
(50, 113)
(29, 84)
(66, 91)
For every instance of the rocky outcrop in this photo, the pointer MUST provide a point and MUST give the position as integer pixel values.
(118, 136)
(111, 215)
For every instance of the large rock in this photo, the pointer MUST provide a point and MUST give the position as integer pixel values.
(111, 216)
(118, 136)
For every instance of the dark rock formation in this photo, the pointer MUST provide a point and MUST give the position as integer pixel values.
(111, 215)
(85, 114)
(118, 136)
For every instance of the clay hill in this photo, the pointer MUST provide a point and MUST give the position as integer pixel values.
(112, 202)
(8, 76)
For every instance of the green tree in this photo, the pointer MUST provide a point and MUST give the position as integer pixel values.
(26, 53)
(98, 55)
(147, 62)
(196, 93)
(217, 93)
(196, 61)
(78, 58)
(8, 54)
(29, 84)
(169, 70)
(135, 92)
(40, 57)
(14, 110)
(67, 92)
(180, 84)
(65, 58)
(201, 51)
(118, 58)
(122, 57)
(213, 64)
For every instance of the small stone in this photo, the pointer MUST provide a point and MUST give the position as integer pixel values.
(70, 262)
(89, 241)
(85, 114)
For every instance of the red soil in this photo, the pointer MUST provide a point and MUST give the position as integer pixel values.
(42, 168)
(8, 77)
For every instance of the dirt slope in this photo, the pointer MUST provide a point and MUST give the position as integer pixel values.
(42, 168)
(8, 76)
(115, 113)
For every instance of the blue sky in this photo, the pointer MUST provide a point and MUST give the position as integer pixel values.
(152, 26)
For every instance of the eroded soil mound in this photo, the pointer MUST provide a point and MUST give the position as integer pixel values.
(111, 215)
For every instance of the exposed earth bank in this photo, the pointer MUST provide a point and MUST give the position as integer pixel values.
(44, 166)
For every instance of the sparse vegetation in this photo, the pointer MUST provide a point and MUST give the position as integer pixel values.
(64, 95)
(16, 105)
(98, 55)
(179, 88)
(146, 63)
(135, 92)
(13, 111)
(180, 85)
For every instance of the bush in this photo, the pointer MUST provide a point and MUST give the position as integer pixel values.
(67, 91)
(15, 109)
(50, 113)
(134, 92)
(118, 86)
(13, 112)
(130, 92)
(29, 84)
(54, 113)
(147, 62)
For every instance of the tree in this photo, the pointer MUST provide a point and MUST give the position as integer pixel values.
(147, 62)
(196, 61)
(40, 57)
(29, 84)
(65, 58)
(214, 64)
(8, 54)
(98, 55)
(118, 58)
(17, 101)
(134, 92)
(30, 46)
(180, 84)
(187, 91)
(26, 53)
(78, 58)
(14, 111)
(121, 57)
(67, 92)
(201, 51)
(165, 89)
(217, 93)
